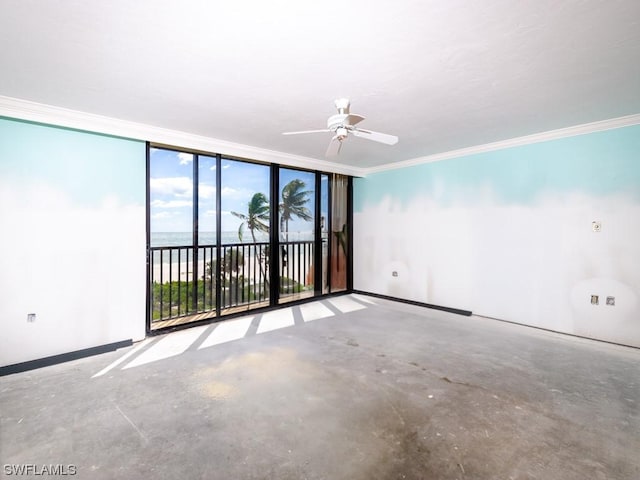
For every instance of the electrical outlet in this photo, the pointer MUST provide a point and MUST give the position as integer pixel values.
(31, 317)
(394, 274)
(594, 300)
(611, 301)
(596, 226)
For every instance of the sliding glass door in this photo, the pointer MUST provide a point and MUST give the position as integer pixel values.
(296, 221)
(245, 232)
(179, 287)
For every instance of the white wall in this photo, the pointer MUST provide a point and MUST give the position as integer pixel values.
(508, 234)
(72, 242)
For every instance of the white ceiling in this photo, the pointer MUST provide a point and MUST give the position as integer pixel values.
(442, 75)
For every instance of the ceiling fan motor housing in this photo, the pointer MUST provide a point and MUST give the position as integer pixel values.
(341, 133)
(336, 121)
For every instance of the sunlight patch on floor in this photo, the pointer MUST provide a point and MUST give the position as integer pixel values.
(178, 342)
(363, 298)
(171, 345)
(275, 320)
(345, 304)
(131, 352)
(314, 311)
(227, 332)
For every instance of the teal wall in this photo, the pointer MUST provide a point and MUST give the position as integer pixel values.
(599, 164)
(508, 234)
(72, 205)
(87, 166)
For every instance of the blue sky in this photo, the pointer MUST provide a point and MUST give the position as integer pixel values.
(171, 185)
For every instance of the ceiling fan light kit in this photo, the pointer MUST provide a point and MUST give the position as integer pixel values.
(342, 124)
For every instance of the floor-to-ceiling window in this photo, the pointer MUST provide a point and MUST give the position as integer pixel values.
(174, 280)
(205, 209)
(229, 235)
(339, 245)
(245, 228)
(296, 219)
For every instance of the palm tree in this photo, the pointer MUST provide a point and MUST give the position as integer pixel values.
(294, 200)
(256, 219)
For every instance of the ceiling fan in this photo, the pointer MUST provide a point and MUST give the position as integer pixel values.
(344, 123)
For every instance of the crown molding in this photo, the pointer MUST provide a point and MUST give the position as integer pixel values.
(583, 129)
(63, 117)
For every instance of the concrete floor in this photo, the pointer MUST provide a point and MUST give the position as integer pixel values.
(383, 391)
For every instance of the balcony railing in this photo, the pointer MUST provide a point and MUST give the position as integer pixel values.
(183, 285)
(296, 269)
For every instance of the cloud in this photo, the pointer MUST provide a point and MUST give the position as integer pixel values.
(177, 186)
(224, 167)
(210, 213)
(228, 191)
(206, 191)
(160, 215)
(237, 193)
(171, 203)
(185, 158)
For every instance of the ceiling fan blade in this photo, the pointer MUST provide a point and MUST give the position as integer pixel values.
(306, 131)
(375, 136)
(353, 118)
(334, 147)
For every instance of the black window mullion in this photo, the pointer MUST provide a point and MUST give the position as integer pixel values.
(150, 258)
(317, 252)
(218, 233)
(274, 239)
(330, 181)
(194, 256)
(349, 234)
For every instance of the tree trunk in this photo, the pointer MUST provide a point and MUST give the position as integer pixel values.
(259, 257)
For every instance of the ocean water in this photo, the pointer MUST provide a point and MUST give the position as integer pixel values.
(173, 239)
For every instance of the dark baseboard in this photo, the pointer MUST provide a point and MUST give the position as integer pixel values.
(457, 311)
(63, 357)
(544, 329)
